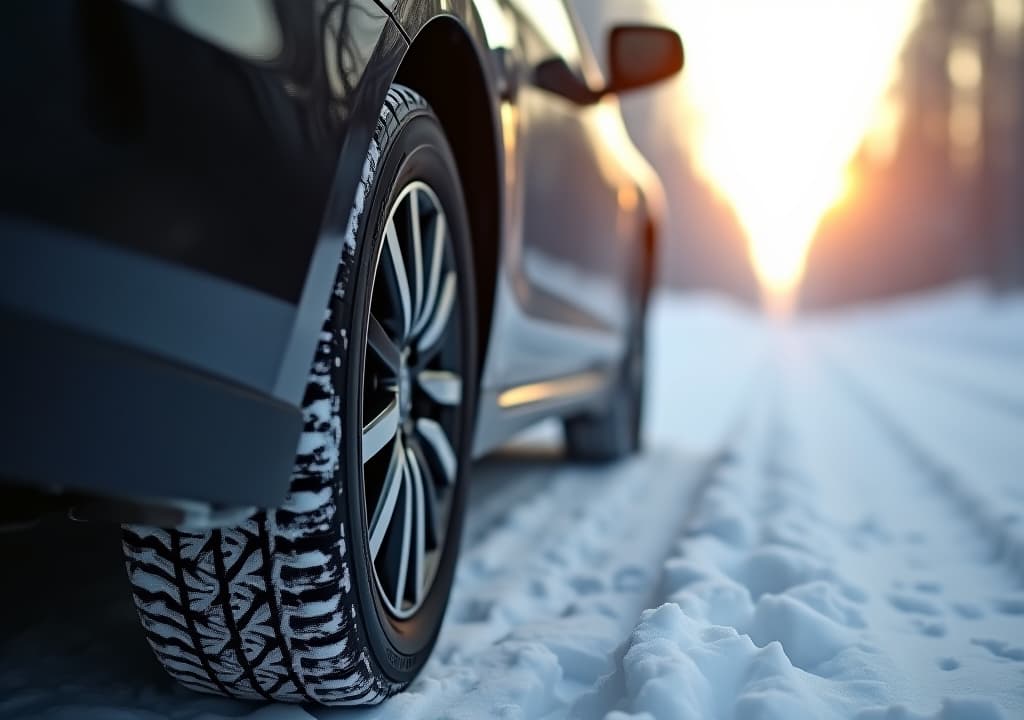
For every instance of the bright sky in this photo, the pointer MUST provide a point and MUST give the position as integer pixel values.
(781, 96)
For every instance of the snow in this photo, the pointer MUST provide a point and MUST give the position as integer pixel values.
(829, 570)
(828, 523)
(705, 355)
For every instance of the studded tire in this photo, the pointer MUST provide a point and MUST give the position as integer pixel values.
(292, 605)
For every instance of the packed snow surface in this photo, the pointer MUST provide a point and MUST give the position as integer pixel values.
(828, 523)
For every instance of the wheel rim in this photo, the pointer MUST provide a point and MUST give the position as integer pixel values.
(412, 396)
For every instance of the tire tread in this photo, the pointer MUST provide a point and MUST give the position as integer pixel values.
(266, 610)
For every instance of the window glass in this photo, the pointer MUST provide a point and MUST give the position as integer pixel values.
(552, 21)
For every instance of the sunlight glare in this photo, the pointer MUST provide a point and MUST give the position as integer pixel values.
(781, 96)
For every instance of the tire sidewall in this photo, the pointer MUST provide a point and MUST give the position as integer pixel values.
(418, 150)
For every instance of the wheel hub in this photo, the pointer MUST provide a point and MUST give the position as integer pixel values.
(405, 391)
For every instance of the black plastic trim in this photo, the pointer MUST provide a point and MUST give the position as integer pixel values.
(160, 308)
(85, 415)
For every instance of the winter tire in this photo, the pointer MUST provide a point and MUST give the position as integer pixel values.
(337, 596)
(614, 433)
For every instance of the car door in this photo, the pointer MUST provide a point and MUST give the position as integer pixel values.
(571, 210)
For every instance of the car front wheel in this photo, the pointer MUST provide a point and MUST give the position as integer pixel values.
(336, 597)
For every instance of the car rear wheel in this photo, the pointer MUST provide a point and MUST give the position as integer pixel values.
(336, 597)
(614, 433)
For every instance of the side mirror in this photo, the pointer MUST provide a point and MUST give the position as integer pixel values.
(642, 56)
(557, 77)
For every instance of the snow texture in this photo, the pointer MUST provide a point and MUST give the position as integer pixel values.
(829, 523)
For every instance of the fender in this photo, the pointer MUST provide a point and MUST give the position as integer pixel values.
(412, 17)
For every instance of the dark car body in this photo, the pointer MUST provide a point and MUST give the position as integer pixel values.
(174, 196)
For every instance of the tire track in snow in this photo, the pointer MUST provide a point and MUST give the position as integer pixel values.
(755, 614)
(995, 381)
(930, 561)
(765, 621)
(1002, 532)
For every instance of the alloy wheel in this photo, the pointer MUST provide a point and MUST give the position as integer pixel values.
(412, 400)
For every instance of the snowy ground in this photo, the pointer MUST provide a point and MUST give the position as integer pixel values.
(829, 523)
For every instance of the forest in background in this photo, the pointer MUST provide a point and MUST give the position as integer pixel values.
(942, 200)
(945, 202)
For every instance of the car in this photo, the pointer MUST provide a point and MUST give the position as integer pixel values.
(274, 272)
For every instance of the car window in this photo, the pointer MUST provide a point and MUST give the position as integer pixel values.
(552, 21)
(589, 65)
(558, 27)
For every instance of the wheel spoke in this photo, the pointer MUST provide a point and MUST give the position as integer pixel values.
(384, 346)
(437, 439)
(442, 314)
(401, 278)
(381, 430)
(431, 504)
(419, 544)
(443, 387)
(435, 267)
(403, 557)
(385, 510)
(417, 253)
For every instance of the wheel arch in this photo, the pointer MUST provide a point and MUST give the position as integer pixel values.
(653, 221)
(444, 66)
(649, 279)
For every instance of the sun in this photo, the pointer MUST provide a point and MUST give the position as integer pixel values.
(780, 96)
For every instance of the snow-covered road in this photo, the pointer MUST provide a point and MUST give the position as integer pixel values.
(829, 523)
